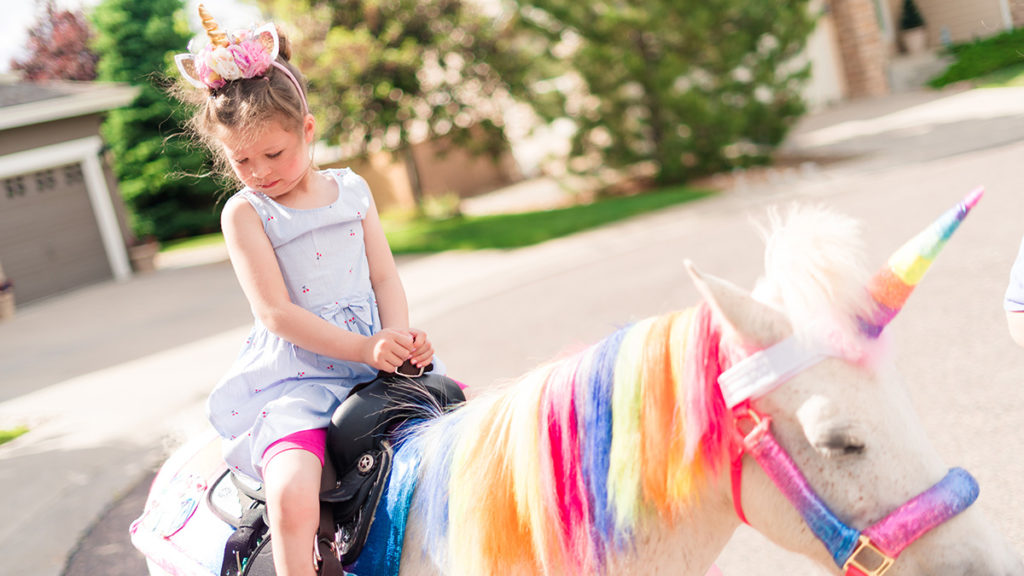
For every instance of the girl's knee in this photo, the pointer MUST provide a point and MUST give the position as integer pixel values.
(292, 484)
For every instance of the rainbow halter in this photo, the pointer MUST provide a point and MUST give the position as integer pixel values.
(874, 550)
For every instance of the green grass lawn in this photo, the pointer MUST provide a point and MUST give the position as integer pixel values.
(518, 230)
(988, 62)
(1010, 76)
(12, 433)
(194, 242)
(421, 235)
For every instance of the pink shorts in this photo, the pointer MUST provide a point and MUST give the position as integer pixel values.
(312, 441)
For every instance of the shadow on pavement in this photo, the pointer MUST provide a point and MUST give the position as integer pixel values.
(106, 548)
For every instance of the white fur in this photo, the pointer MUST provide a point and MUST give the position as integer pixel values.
(815, 273)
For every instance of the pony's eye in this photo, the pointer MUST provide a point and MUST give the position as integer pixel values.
(839, 443)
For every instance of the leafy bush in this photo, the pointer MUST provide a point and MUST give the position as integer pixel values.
(980, 57)
(688, 86)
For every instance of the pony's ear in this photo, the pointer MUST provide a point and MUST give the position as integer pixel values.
(756, 323)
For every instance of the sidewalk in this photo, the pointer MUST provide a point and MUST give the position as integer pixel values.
(109, 375)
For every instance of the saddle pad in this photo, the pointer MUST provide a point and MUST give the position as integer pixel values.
(382, 553)
(178, 531)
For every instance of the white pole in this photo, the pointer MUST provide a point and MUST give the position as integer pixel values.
(102, 205)
(1004, 9)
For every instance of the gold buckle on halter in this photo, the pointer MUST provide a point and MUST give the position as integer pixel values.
(873, 563)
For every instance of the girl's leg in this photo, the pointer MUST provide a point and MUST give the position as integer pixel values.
(292, 483)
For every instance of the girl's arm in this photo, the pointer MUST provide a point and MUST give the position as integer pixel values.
(391, 300)
(255, 264)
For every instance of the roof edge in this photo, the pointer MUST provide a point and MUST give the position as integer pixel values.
(101, 99)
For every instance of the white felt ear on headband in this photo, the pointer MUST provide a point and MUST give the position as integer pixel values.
(187, 66)
(267, 35)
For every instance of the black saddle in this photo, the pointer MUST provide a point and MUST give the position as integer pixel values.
(357, 466)
(358, 444)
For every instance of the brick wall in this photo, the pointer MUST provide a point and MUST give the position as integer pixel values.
(861, 46)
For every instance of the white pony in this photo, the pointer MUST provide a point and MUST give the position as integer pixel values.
(643, 453)
(620, 459)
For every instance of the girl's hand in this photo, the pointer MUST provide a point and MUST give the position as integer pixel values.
(388, 349)
(423, 350)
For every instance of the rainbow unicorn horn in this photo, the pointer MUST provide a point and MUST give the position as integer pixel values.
(892, 285)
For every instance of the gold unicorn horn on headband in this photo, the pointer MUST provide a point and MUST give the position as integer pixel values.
(217, 38)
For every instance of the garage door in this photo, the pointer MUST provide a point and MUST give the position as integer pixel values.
(49, 239)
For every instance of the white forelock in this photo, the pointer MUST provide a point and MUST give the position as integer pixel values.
(815, 273)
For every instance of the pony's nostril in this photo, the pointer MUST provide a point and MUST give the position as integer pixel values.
(839, 443)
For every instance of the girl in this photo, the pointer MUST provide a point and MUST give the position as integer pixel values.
(311, 257)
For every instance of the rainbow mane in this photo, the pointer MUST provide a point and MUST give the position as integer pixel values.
(553, 473)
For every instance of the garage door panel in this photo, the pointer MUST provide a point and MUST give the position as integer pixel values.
(50, 241)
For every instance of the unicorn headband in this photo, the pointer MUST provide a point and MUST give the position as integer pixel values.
(241, 55)
(763, 371)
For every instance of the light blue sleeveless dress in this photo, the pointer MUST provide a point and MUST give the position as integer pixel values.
(276, 388)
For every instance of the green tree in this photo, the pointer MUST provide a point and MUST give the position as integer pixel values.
(692, 86)
(136, 40)
(387, 73)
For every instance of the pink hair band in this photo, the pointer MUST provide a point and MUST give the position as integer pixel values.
(295, 82)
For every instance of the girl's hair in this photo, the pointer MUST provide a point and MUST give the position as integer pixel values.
(244, 106)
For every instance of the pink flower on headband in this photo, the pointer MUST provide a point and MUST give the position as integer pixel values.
(250, 58)
(200, 69)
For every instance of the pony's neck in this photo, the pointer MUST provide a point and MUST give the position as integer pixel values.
(688, 547)
(612, 457)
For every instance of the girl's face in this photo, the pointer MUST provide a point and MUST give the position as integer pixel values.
(276, 162)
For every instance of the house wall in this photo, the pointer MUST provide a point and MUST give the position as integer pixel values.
(387, 178)
(959, 20)
(826, 84)
(448, 169)
(443, 169)
(47, 133)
